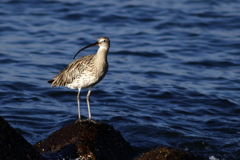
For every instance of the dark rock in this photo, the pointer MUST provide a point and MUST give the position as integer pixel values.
(14, 146)
(87, 140)
(168, 153)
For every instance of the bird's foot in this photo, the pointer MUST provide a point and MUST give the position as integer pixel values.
(91, 121)
(88, 120)
(78, 121)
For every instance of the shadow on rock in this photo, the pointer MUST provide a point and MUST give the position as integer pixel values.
(14, 146)
(86, 140)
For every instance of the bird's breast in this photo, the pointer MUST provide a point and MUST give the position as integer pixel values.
(83, 81)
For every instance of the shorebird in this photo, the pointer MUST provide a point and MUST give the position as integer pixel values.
(85, 72)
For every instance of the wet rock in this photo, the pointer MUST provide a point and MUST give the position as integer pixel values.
(14, 146)
(168, 153)
(86, 141)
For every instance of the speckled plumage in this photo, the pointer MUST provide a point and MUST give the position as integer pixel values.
(85, 72)
(81, 73)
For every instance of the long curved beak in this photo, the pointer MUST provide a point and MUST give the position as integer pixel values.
(94, 44)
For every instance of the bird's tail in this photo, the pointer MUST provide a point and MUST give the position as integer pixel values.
(50, 81)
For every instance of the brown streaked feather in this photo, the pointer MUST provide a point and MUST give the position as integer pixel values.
(73, 70)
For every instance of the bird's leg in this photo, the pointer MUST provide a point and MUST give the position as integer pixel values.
(78, 100)
(88, 104)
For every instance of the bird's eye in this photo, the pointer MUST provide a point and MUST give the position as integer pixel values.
(104, 40)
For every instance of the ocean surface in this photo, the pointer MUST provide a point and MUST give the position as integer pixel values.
(173, 79)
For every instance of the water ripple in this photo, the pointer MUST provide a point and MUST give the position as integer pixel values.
(173, 74)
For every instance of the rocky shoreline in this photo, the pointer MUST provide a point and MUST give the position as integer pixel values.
(84, 141)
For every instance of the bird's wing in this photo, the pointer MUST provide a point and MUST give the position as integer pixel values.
(73, 70)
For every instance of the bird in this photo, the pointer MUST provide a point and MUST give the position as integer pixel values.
(85, 72)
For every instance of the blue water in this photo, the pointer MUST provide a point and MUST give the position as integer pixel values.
(173, 79)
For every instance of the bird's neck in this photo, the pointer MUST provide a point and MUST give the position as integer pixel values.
(100, 61)
(101, 55)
